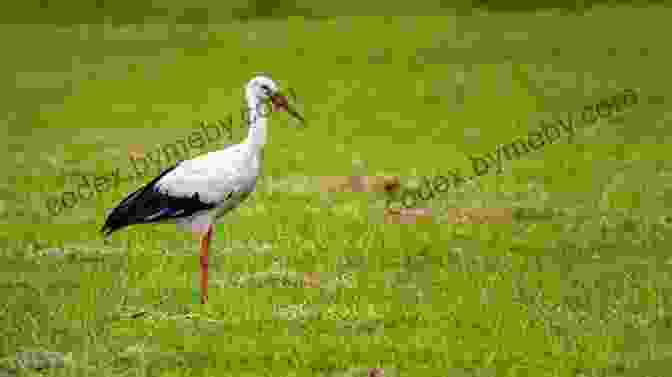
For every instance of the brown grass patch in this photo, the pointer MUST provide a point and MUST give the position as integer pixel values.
(409, 216)
(311, 279)
(452, 215)
(360, 183)
(480, 215)
(136, 151)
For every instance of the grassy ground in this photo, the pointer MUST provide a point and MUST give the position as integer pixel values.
(578, 286)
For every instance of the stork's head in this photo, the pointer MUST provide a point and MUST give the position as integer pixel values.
(263, 89)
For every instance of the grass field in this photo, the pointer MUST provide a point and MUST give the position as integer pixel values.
(576, 286)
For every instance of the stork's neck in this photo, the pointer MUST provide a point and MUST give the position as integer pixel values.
(257, 117)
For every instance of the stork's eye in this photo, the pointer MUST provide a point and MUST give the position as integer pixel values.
(266, 89)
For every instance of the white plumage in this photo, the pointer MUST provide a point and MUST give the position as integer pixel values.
(195, 193)
(224, 178)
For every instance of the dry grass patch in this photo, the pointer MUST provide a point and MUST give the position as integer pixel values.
(360, 183)
(450, 215)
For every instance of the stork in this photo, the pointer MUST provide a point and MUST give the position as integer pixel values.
(195, 193)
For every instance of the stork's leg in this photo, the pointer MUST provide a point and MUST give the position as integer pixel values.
(205, 248)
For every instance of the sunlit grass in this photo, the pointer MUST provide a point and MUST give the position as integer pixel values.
(309, 283)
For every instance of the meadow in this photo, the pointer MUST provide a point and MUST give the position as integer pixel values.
(306, 282)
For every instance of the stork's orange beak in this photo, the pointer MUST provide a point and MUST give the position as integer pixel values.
(280, 103)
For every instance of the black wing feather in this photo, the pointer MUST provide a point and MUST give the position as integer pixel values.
(148, 205)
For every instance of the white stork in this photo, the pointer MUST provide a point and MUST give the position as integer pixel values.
(195, 193)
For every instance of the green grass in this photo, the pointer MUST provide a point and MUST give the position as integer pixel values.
(578, 286)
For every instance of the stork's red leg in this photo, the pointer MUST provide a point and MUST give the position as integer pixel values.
(205, 248)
